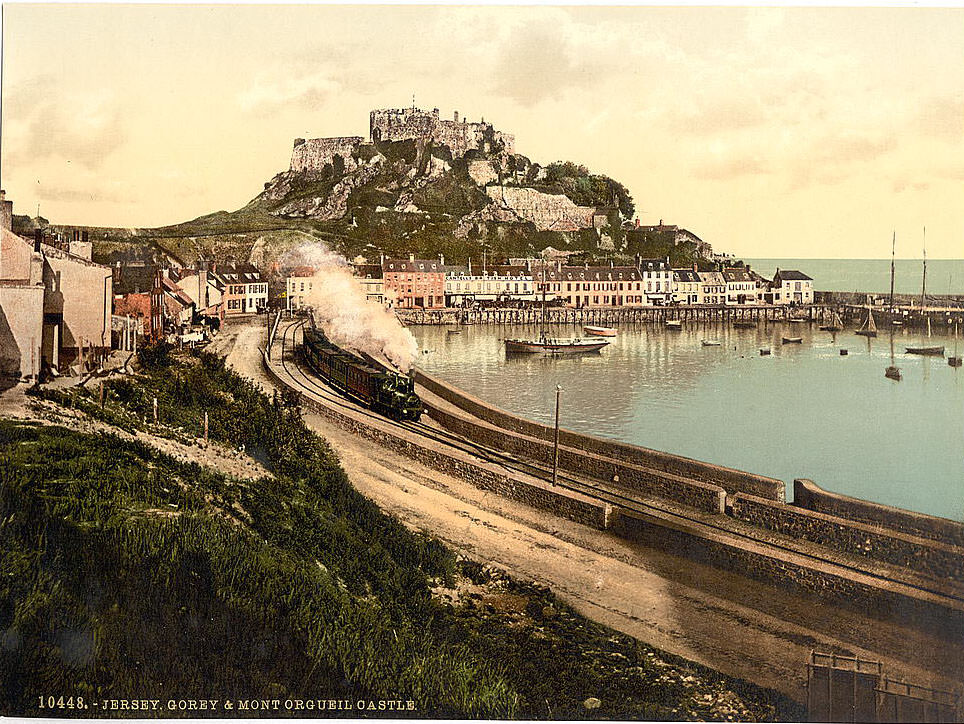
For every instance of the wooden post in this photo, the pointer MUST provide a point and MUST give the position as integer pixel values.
(555, 451)
(155, 409)
(205, 428)
(830, 689)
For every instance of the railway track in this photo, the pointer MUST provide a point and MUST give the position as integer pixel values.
(310, 383)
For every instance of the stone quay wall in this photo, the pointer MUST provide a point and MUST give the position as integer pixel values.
(565, 504)
(732, 481)
(780, 568)
(807, 494)
(632, 478)
(931, 558)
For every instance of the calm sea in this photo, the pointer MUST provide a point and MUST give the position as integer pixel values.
(944, 276)
(805, 411)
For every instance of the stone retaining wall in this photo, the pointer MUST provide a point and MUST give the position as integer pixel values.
(632, 478)
(732, 481)
(809, 495)
(881, 599)
(930, 558)
(561, 503)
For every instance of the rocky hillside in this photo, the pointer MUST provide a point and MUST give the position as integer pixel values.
(408, 196)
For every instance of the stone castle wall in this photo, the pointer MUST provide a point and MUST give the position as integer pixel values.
(555, 212)
(403, 124)
(315, 153)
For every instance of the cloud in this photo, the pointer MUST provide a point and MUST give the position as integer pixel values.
(270, 91)
(942, 118)
(52, 122)
(723, 168)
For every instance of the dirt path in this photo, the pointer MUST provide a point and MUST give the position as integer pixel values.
(733, 624)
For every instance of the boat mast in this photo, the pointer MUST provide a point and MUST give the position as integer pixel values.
(893, 252)
(923, 282)
(542, 326)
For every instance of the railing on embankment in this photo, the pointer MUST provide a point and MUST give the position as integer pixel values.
(732, 481)
(851, 689)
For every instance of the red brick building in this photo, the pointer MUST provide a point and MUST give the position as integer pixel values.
(414, 283)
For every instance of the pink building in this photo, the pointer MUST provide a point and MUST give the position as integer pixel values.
(414, 283)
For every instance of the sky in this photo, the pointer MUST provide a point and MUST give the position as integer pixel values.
(769, 132)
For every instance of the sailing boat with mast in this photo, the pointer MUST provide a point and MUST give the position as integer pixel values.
(935, 351)
(893, 259)
(553, 345)
(869, 327)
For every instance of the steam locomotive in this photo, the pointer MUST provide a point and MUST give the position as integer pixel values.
(385, 391)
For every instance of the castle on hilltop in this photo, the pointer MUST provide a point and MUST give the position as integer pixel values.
(402, 124)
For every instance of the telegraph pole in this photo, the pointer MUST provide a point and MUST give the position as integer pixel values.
(555, 447)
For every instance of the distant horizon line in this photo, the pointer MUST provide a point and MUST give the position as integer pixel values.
(845, 258)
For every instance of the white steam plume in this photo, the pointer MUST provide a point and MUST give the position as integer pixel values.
(344, 314)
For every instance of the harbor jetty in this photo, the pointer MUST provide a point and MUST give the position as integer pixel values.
(852, 314)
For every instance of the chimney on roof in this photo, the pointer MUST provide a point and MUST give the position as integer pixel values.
(38, 238)
(456, 116)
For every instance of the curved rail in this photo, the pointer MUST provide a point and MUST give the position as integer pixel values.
(568, 482)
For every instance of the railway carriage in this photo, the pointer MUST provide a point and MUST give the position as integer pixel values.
(385, 391)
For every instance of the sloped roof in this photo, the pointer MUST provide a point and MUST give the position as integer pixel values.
(790, 275)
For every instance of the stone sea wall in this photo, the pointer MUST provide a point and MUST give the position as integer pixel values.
(932, 558)
(732, 481)
(807, 494)
(563, 503)
(633, 479)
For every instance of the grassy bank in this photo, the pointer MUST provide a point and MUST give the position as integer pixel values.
(128, 573)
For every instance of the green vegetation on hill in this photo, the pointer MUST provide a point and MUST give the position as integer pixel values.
(426, 177)
(125, 573)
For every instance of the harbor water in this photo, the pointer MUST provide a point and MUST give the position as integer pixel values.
(803, 411)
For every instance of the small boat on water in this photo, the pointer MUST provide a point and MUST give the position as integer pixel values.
(711, 343)
(893, 373)
(930, 350)
(792, 340)
(844, 353)
(454, 331)
(743, 324)
(764, 352)
(937, 351)
(599, 331)
(554, 345)
(869, 327)
(836, 324)
(954, 360)
(674, 324)
(795, 320)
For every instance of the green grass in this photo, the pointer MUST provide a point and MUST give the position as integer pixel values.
(127, 573)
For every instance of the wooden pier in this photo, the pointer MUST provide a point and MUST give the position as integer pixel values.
(608, 316)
